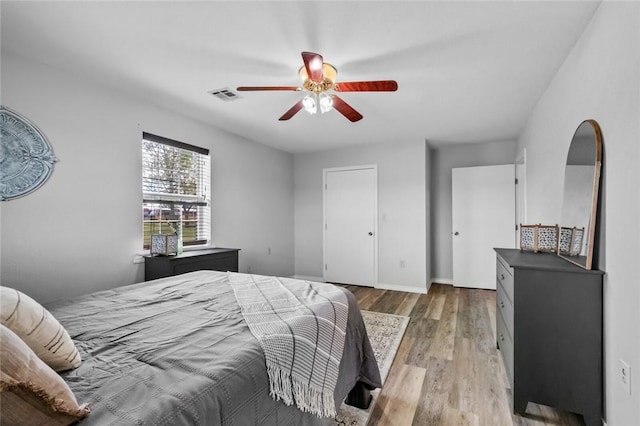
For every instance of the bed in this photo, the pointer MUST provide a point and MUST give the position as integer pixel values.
(177, 351)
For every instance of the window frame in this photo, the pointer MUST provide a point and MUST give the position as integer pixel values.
(162, 201)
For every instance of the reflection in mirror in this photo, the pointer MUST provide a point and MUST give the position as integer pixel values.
(581, 186)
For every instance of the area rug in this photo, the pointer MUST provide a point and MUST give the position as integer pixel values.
(385, 334)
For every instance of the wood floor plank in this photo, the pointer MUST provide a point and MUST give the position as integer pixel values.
(490, 304)
(432, 411)
(389, 302)
(493, 405)
(422, 332)
(366, 300)
(444, 340)
(387, 391)
(402, 355)
(435, 392)
(408, 304)
(453, 417)
(473, 320)
(403, 395)
(462, 395)
(434, 310)
(420, 308)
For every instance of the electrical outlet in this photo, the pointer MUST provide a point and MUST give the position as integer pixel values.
(248, 269)
(625, 376)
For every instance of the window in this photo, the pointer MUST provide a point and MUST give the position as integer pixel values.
(175, 190)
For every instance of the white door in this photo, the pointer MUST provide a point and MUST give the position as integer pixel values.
(483, 206)
(350, 206)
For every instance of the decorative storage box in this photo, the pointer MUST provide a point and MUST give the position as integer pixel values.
(165, 244)
(539, 238)
(570, 241)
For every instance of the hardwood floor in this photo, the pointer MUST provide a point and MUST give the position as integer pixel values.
(447, 370)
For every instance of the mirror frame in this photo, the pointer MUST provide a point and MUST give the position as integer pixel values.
(591, 232)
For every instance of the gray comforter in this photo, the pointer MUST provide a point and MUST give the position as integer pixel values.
(176, 351)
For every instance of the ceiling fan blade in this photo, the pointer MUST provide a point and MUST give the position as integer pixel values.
(261, 88)
(367, 86)
(292, 111)
(345, 109)
(313, 64)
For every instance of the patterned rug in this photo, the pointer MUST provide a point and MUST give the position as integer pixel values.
(385, 334)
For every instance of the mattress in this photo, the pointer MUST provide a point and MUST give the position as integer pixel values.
(176, 351)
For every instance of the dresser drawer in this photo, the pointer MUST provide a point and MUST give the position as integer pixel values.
(504, 307)
(222, 262)
(506, 347)
(504, 276)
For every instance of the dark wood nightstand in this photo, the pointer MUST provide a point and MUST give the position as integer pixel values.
(215, 259)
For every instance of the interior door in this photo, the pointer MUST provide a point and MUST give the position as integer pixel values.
(350, 219)
(483, 207)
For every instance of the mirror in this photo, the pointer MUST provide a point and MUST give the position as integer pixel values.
(580, 200)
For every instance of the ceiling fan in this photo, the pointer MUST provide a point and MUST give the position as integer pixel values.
(318, 78)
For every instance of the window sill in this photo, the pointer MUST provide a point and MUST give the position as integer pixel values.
(187, 248)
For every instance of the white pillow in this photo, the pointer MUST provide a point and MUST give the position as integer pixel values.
(31, 393)
(38, 329)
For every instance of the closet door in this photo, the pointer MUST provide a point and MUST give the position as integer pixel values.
(350, 206)
(483, 206)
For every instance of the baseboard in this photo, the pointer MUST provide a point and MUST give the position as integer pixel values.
(308, 278)
(441, 281)
(405, 288)
(381, 286)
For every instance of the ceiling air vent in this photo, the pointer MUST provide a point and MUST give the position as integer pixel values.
(225, 94)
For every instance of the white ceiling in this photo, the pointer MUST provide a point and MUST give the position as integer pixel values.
(467, 71)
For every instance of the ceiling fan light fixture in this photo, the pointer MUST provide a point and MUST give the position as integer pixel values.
(329, 74)
(326, 102)
(310, 104)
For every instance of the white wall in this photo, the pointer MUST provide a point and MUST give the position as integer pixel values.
(79, 232)
(443, 159)
(601, 80)
(401, 201)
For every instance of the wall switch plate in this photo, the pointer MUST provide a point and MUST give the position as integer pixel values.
(625, 376)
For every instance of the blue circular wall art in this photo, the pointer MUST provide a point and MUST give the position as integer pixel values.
(26, 158)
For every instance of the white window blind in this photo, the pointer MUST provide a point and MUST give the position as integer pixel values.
(175, 187)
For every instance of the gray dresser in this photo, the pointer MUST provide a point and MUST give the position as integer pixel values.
(549, 331)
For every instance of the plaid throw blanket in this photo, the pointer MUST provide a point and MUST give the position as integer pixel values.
(301, 327)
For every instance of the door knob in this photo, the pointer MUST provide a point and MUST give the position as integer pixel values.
(370, 233)
(456, 233)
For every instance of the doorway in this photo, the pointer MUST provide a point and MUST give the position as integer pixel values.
(350, 200)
